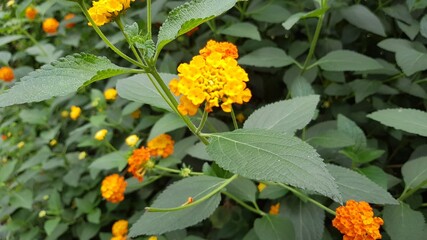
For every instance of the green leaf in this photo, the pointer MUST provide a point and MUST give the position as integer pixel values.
(401, 222)
(56, 79)
(271, 13)
(267, 57)
(292, 20)
(188, 16)
(362, 155)
(6, 170)
(199, 151)
(243, 30)
(299, 87)
(156, 223)
(361, 17)
(364, 88)
(406, 119)
(51, 224)
(423, 26)
(307, 218)
(22, 199)
(243, 188)
(349, 127)
(411, 61)
(35, 116)
(395, 44)
(167, 123)
(94, 216)
(139, 89)
(331, 139)
(375, 174)
(112, 160)
(284, 116)
(11, 38)
(274, 227)
(272, 192)
(272, 156)
(73, 175)
(345, 60)
(354, 186)
(41, 156)
(415, 172)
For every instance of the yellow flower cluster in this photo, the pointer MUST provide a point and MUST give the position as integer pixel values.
(161, 145)
(357, 222)
(103, 11)
(120, 230)
(100, 135)
(75, 112)
(213, 77)
(132, 140)
(113, 188)
(110, 94)
(137, 162)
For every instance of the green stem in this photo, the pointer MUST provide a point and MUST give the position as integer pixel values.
(313, 42)
(408, 192)
(132, 47)
(108, 144)
(307, 198)
(105, 39)
(233, 116)
(243, 204)
(149, 19)
(202, 121)
(34, 41)
(166, 169)
(206, 197)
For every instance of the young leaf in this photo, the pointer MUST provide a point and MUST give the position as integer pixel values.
(59, 78)
(401, 222)
(274, 228)
(345, 60)
(156, 223)
(267, 57)
(408, 120)
(352, 185)
(139, 88)
(188, 16)
(415, 172)
(307, 218)
(362, 17)
(272, 156)
(167, 123)
(284, 116)
(243, 30)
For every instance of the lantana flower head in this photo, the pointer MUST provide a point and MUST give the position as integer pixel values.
(137, 162)
(356, 221)
(67, 17)
(120, 228)
(50, 25)
(30, 13)
(161, 146)
(6, 74)
(100, 135)
(113, 188)
(103, 11)
(213, 78)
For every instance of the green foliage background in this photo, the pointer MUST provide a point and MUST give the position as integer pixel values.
(358, 104)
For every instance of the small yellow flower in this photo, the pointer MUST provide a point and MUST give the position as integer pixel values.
(65, 114)
(21, 144)
(240, 117)
(75, 112)
(120, 228)
(100, 135)
(152, 238)
(274, 209)
(53, 142)
(110, 94)
(46, 197)
(113, 188)
(132, 140)
(82, 155)
(261, 186)
(42, 214)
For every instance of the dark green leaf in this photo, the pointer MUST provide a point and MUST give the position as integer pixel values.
(345, 60)
(243, 188)
(362, 17)
(274, 228)
(401, 222)
(415, 172)
(167, 123)
(112, 160)
(243, 30)
(267, 57)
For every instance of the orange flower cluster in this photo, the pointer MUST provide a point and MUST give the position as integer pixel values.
(213, 77)
(31, 13)
(274, 209)
(357, 222)
(113, 188)
(50, 25)
(161, 145)
(137, 162)
(120, 230)
(103, 11)
(69, 17)
(6, 74)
